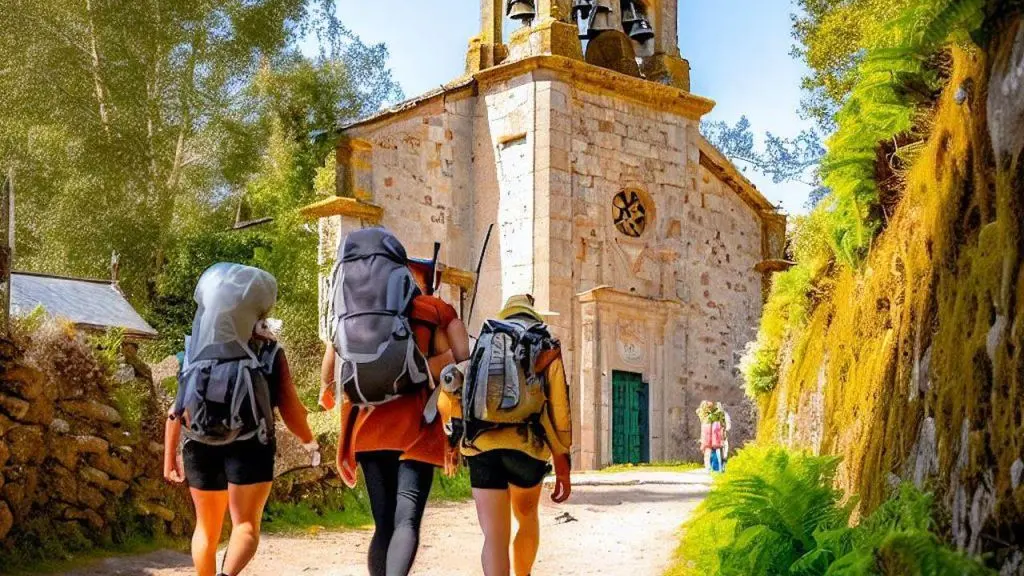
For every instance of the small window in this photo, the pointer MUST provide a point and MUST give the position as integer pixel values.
(630, 213)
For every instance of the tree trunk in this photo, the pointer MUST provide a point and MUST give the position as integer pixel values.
(101, 93)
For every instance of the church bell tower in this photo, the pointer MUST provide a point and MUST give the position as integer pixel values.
(634, 37)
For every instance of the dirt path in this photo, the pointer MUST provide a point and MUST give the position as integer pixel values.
(625, 525)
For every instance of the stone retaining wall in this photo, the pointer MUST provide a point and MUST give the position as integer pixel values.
(71, 466)
(81, 449)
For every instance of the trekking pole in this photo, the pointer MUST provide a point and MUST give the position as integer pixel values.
(479, 266)
(432, 281)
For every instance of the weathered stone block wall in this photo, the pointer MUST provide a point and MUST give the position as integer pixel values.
(700, 247)
(504, 194)
(71, 468)
(414, 173)
(81, 450)
(911, 367)
(723, 294)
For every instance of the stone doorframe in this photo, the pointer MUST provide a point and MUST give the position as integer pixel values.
(622, 331)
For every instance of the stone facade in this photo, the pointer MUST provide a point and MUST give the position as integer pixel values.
(607, 205)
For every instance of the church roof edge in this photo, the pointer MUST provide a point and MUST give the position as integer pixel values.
(720, 165)
(615, 84)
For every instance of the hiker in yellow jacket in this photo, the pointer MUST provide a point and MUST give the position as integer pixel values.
(508, 462)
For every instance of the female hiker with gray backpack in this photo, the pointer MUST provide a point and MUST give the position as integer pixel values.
(233, 375)
(390, 338)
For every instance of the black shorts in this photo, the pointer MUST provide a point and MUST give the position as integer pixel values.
(496, 469)
(211, 468)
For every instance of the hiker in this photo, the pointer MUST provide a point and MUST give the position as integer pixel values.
(385, 380)
(233, 374)
(513, 418)
(712, 434)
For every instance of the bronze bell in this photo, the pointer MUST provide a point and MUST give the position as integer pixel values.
(581, 9)
(604, 6)
(641, 31)
(630, 13)
(601, 21)
(521, 10)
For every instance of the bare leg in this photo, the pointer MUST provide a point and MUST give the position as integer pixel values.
(494, 513)
(246, 504)
(524, 505)
(210, 508)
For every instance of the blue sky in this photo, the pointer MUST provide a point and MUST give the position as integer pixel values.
(738, 52)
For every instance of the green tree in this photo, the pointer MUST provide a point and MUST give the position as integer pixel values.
(783, 159)
(832, 37)
(130, 124)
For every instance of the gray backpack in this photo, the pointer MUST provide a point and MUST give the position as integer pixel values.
(225, 393)
(373, 289)
(502, 386)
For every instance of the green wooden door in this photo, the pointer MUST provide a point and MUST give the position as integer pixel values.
(630, 419)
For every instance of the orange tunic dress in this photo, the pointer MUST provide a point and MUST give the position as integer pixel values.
(398, 425)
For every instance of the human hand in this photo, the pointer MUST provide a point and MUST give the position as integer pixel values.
(313, 449)
(173, 471)
(563, 479)
(452, 460)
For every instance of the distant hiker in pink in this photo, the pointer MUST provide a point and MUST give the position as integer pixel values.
(712, 434)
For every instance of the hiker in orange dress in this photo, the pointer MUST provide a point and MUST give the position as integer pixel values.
(508, 461)
(391, 442)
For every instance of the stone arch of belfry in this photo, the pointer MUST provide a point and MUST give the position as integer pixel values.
(657, 291)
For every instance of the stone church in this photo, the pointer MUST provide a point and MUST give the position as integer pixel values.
(574, 133)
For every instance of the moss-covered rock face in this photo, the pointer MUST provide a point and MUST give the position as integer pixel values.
(912, 367)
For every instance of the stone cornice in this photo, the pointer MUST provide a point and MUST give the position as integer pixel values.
(457, 277)
(341, 206)
(583, 76)
(609, 295)
(603, 81)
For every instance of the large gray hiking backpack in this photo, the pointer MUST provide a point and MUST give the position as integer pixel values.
(223, 389)
(373, 289)
(225, 393)
(502, 386)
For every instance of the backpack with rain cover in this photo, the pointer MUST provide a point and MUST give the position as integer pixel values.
(502, 386)
(223, 388)
(373, 290)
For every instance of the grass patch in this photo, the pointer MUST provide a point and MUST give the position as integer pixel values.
(454, 489)
(341, 508)
(673, 466)
(14, 566)
(130, 399)
(325, 426)
(41, 547)
(777, 511)
(325, 510)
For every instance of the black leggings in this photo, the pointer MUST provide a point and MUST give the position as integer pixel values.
(398, 492)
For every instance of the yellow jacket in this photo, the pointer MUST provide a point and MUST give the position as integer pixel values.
(555, 420)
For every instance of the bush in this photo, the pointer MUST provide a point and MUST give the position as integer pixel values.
(778, 512)
(764, 514)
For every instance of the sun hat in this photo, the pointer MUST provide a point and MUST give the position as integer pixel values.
(523, 305)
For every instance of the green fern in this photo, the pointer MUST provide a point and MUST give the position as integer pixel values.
(894, 81)
(899, 538)
(763, 515)
(777, 512)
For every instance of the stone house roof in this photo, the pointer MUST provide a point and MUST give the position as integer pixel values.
(88, 304)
